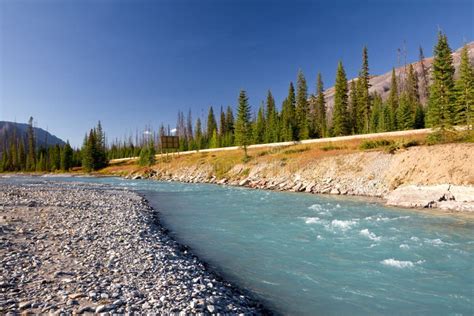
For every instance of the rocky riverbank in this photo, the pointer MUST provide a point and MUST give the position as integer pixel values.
(439, 176)
(83, 248)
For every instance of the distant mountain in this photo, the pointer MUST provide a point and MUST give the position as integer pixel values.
(381, 83)
(43, 138)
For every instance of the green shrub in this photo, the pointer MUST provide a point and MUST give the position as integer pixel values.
(371, 144)
(450, 136)
(295, 150)
(332, 147)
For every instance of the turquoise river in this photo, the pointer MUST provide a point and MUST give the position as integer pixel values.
(304, 254)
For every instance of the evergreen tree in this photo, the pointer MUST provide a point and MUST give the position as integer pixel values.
(339, 119)
(66, 157)
(147, 154)
(464, 87)
(222, 124)
(412, 87)
(229, 119)
(321, 107)
(363, 102)
(199, 136)
(404, 113)
(214, 141)
(441, 99)
(243, 131)
(211, 123)
(288, 121)
(354, 121)
(21, 155)
(392, 103)
(259, 130)
(419, 121)
(376, 115)
(271, 132)
(302, 108)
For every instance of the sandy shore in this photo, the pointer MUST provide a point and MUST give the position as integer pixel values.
(77, 248)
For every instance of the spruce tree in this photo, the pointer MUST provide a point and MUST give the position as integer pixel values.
(321, 107)
(412, 87)
(302, 108)
(464, 87)
(363, 102)
(354, 121)
(211, 123)
(392, 103)
(288, 116)
(419, 121)
(229, 118)
(271, 132)
(222, 124)
(441, 99)
(243, 130)
(199, 136)
(259, 130)
(376, 115)
(66, 157)
(339, 119)
(405, 115)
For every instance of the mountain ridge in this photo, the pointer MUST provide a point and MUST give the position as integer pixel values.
(43, 138)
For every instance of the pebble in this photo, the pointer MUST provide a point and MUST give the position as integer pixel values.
(93, 248)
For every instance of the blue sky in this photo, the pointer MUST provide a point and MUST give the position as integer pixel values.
(135, 63)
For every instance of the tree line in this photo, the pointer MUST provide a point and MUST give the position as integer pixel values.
(19, 152)
(416, 100)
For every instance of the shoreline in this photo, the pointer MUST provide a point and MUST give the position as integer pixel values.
(181, 281)
(432, 203)
(435, 202)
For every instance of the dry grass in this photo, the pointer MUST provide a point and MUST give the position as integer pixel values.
(292, 157)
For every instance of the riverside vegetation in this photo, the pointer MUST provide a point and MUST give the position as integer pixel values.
(416, 98)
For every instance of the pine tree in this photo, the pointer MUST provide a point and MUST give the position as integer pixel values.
(376, 115)
(222, 124)
(363, 102)
(288, 121)
(211, 123)
(419, 121)
(243, 131)
(21, 154)
(259, 130)
(229, 119)
(405, 113)
(271, 132)
(339, 119)
(412, 87)
(392, 103)
(464, 87)
(302, 108)
(441, 99)
(66, 157)
(214, 141)
(321, 107)
(354, 121)
(199, 136)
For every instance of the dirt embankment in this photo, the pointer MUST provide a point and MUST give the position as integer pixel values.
(426, 176)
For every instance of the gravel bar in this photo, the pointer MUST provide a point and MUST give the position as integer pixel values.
(72, 248)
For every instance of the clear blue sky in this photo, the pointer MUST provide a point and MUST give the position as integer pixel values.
(135, 63)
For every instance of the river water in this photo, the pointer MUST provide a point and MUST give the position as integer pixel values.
(305, 254)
